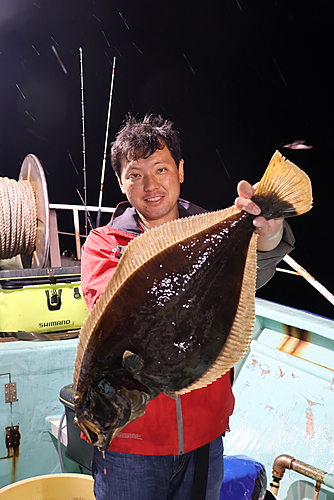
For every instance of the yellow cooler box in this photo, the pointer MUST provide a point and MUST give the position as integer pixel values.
(41, 300)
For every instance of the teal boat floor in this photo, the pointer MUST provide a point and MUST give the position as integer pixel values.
(284, 392)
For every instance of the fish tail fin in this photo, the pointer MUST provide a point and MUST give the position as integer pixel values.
(284, 190)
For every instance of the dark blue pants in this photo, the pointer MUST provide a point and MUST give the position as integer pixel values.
(121, 476)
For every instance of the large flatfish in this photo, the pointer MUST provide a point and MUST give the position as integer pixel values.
(179, 310)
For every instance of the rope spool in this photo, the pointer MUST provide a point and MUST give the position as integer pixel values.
(24, 215)
(18, 218)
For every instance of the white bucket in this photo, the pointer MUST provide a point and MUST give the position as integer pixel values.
(51, 487)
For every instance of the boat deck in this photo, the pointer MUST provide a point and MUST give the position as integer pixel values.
(284, 392)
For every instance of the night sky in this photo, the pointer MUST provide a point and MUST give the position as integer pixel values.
(239, 79)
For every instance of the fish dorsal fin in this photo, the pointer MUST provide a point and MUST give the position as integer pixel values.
(240, 335)
(137, 253)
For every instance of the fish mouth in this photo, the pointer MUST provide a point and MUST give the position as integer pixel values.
(94, 435)
(100, 432)
(91, 431)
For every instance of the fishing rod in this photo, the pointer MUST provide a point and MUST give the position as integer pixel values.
(305, 274)
(83, 140)
(300, 271)
(98, 218)
(89, 218)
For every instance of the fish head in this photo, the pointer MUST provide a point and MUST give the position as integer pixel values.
(107, 409)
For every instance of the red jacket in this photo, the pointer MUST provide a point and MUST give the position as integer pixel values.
(168, 426)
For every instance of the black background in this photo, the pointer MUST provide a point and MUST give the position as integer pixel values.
(239, 79)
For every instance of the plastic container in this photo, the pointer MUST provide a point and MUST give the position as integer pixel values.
(51, 487)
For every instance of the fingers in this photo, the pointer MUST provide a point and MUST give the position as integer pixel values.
(270, 234)
(259, 223)
(269, 231)
(243, 202)
(267, 227)
(245, 190)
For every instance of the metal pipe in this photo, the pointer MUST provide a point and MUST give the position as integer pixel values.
(317, 490)
(77, 232)
(284, 462)
(80, 208)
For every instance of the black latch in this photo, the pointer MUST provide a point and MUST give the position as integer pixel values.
(76, 293)
(53, 280)
(12, 437)
(54, 303)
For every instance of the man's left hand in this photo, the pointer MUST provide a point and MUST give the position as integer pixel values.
(270, 231)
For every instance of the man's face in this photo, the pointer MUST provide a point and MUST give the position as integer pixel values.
(152, 186)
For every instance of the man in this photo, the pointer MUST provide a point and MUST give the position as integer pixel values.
(155, 456)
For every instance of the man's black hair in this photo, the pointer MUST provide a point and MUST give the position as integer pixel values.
(140, 139)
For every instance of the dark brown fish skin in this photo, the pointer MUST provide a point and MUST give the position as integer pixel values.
(174, 316)
(168, 315)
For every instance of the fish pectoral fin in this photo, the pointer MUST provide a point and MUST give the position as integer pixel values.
(138, 400)
(132, 362)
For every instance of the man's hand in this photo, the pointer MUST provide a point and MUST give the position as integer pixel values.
(270, 231)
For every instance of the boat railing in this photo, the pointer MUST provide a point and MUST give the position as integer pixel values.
(298, 270)
(76, 209)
